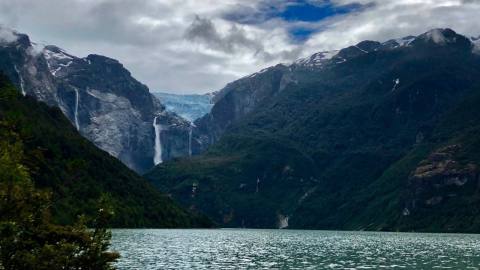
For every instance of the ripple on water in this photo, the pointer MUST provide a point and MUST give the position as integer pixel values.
(293, 249)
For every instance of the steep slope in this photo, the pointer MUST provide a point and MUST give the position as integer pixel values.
(236, 100)
(343, 140)
(190, 107)
(101, 99)
(78, 173)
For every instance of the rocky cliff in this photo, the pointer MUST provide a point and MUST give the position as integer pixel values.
(101, 98)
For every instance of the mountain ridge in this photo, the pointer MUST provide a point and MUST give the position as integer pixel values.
(77, 173)
(100, 97)
(359, 129)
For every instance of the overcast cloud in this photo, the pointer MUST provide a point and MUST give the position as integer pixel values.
(186, 46)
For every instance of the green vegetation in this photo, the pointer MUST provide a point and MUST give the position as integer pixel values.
(78, 174)
(350, 142)
(28, 237)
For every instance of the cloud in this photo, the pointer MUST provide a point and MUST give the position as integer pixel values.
(199, 46)
(393, 19)
(7, 35)
(204, 30)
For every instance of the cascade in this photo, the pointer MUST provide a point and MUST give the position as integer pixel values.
(157, 158)
(77, 125)
(190, 141)
(22, 83)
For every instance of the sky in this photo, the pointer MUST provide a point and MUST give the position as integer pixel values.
(198, 46)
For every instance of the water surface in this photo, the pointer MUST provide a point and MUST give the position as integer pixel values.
(293, 249)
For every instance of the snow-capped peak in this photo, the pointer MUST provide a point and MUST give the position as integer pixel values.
(399, 42)
(317, 59)
(440, 36)
(52, 52)
(57, 59)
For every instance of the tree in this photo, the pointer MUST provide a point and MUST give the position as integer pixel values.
(28, 237)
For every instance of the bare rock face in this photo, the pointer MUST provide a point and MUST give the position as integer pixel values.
(440, 177)
(238, 99)
(100, 97)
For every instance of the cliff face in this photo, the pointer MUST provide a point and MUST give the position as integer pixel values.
(438, 171)
(441, 178)
(100, 97)
(76, 172)
(238, 99)
(251, 93)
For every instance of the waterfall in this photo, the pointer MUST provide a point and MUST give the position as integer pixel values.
(396, 83)
(76, 109)
(282, 221)
(190, 141)
(157, 158)
(22, 83)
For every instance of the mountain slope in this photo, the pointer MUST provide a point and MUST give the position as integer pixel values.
(366, 126)
(100, 98)
(78, 173)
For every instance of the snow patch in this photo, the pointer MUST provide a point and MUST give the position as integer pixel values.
(317, 59)
(404, 42)
(62, 55)
(396, 83)
(360, 49)
(54, 72)
(342, 60)
(257, 73)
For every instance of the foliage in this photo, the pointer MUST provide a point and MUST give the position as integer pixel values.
(358, 138)
(60, 159)
(28, 237)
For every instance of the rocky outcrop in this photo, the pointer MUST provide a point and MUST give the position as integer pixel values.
(100, 97)
(440, 177)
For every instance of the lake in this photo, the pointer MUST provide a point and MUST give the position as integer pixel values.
(293, 249)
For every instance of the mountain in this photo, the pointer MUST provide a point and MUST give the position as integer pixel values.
(101, 98)
(78, 173)
(376, 136)
(190, 107)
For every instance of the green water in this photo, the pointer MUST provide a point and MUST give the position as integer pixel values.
(292, 249)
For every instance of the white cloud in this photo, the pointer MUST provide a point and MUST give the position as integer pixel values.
(388, 19)
(191, 46)
(6, 35)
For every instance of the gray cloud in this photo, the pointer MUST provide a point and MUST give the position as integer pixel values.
(6, 35)
(198, 46)
(203, 30)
